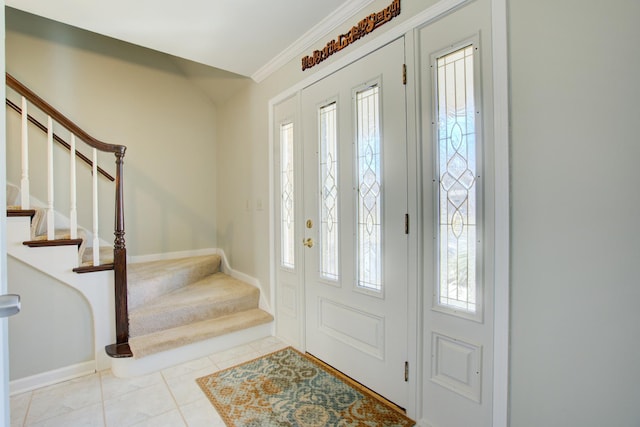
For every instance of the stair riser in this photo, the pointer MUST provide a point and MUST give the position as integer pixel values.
(142, 324)
(135, 367)
(174, 338)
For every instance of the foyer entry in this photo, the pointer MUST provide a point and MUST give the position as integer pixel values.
(354, 217)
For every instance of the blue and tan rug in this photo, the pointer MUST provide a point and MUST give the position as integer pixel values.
(287, 388)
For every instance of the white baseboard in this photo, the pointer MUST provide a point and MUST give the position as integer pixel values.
(44, 379)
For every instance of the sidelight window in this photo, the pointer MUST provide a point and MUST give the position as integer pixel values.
(287, 236)
(457, 173)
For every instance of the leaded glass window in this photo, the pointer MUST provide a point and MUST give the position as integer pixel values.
(369, 202)
(287, 236)
(329, 248)
(457, 174)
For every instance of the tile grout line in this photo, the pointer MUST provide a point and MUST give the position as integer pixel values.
(175, 401)
(104, 411)
(26, 413)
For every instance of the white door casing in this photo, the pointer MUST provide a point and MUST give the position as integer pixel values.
(288, 254)
(4, 340)
(356, 299)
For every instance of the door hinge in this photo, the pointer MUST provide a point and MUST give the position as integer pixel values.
(406, 371)
(404, 74)
(406, 223)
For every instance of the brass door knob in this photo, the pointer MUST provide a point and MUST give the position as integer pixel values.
(308, 242)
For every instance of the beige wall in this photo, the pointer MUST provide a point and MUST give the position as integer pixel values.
(576, 204)
(128, 95)
(59, 326)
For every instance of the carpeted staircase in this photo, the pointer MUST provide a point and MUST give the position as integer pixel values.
(172, 303)
(178, 302)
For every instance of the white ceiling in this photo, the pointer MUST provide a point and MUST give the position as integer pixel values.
(247, 37)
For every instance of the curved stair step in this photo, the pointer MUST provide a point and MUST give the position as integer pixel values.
(214, 296)
(150, 280)
(176, 337)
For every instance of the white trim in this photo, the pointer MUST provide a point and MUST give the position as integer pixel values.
(264, 303)
(272, 215)
(4, 323)
(308, 39)
(52, 377)
(502, 219)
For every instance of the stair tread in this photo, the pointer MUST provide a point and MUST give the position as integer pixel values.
(216, 287)
(55, 242)
(150, 269)
(176, 337)
(17, 211)
(214, 296)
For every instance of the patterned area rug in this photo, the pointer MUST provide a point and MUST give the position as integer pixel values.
(287, 388)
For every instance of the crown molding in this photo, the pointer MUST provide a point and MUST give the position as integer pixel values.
(308, 39)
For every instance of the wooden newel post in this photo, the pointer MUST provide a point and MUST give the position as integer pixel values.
(120, 258)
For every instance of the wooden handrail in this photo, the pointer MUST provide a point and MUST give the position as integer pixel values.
(62, 119)
(59, 140)
(121, 347)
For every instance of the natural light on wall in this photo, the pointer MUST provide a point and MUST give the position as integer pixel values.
(287, 254)
(457, 171)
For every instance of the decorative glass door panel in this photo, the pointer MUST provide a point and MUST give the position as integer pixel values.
(287, 200)
(355, 189)
(457, 171)
(329, 244)
(369, 189)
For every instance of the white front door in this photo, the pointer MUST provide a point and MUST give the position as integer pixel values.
(355, 203)
(457, 147)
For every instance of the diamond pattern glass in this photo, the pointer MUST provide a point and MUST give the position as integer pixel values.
(369, 189)
(329, 247)
(287, 209)
(457, 170)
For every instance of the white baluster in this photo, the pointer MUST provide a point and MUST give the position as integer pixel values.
(24, 182)
(73, 215)
(96, 240)
(51, 232)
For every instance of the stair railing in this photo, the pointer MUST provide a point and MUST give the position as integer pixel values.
(121, 347)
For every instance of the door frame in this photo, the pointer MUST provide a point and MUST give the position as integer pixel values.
(500, 417)
(4, 322)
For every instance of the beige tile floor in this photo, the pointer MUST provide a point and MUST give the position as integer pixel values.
(170, 398)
